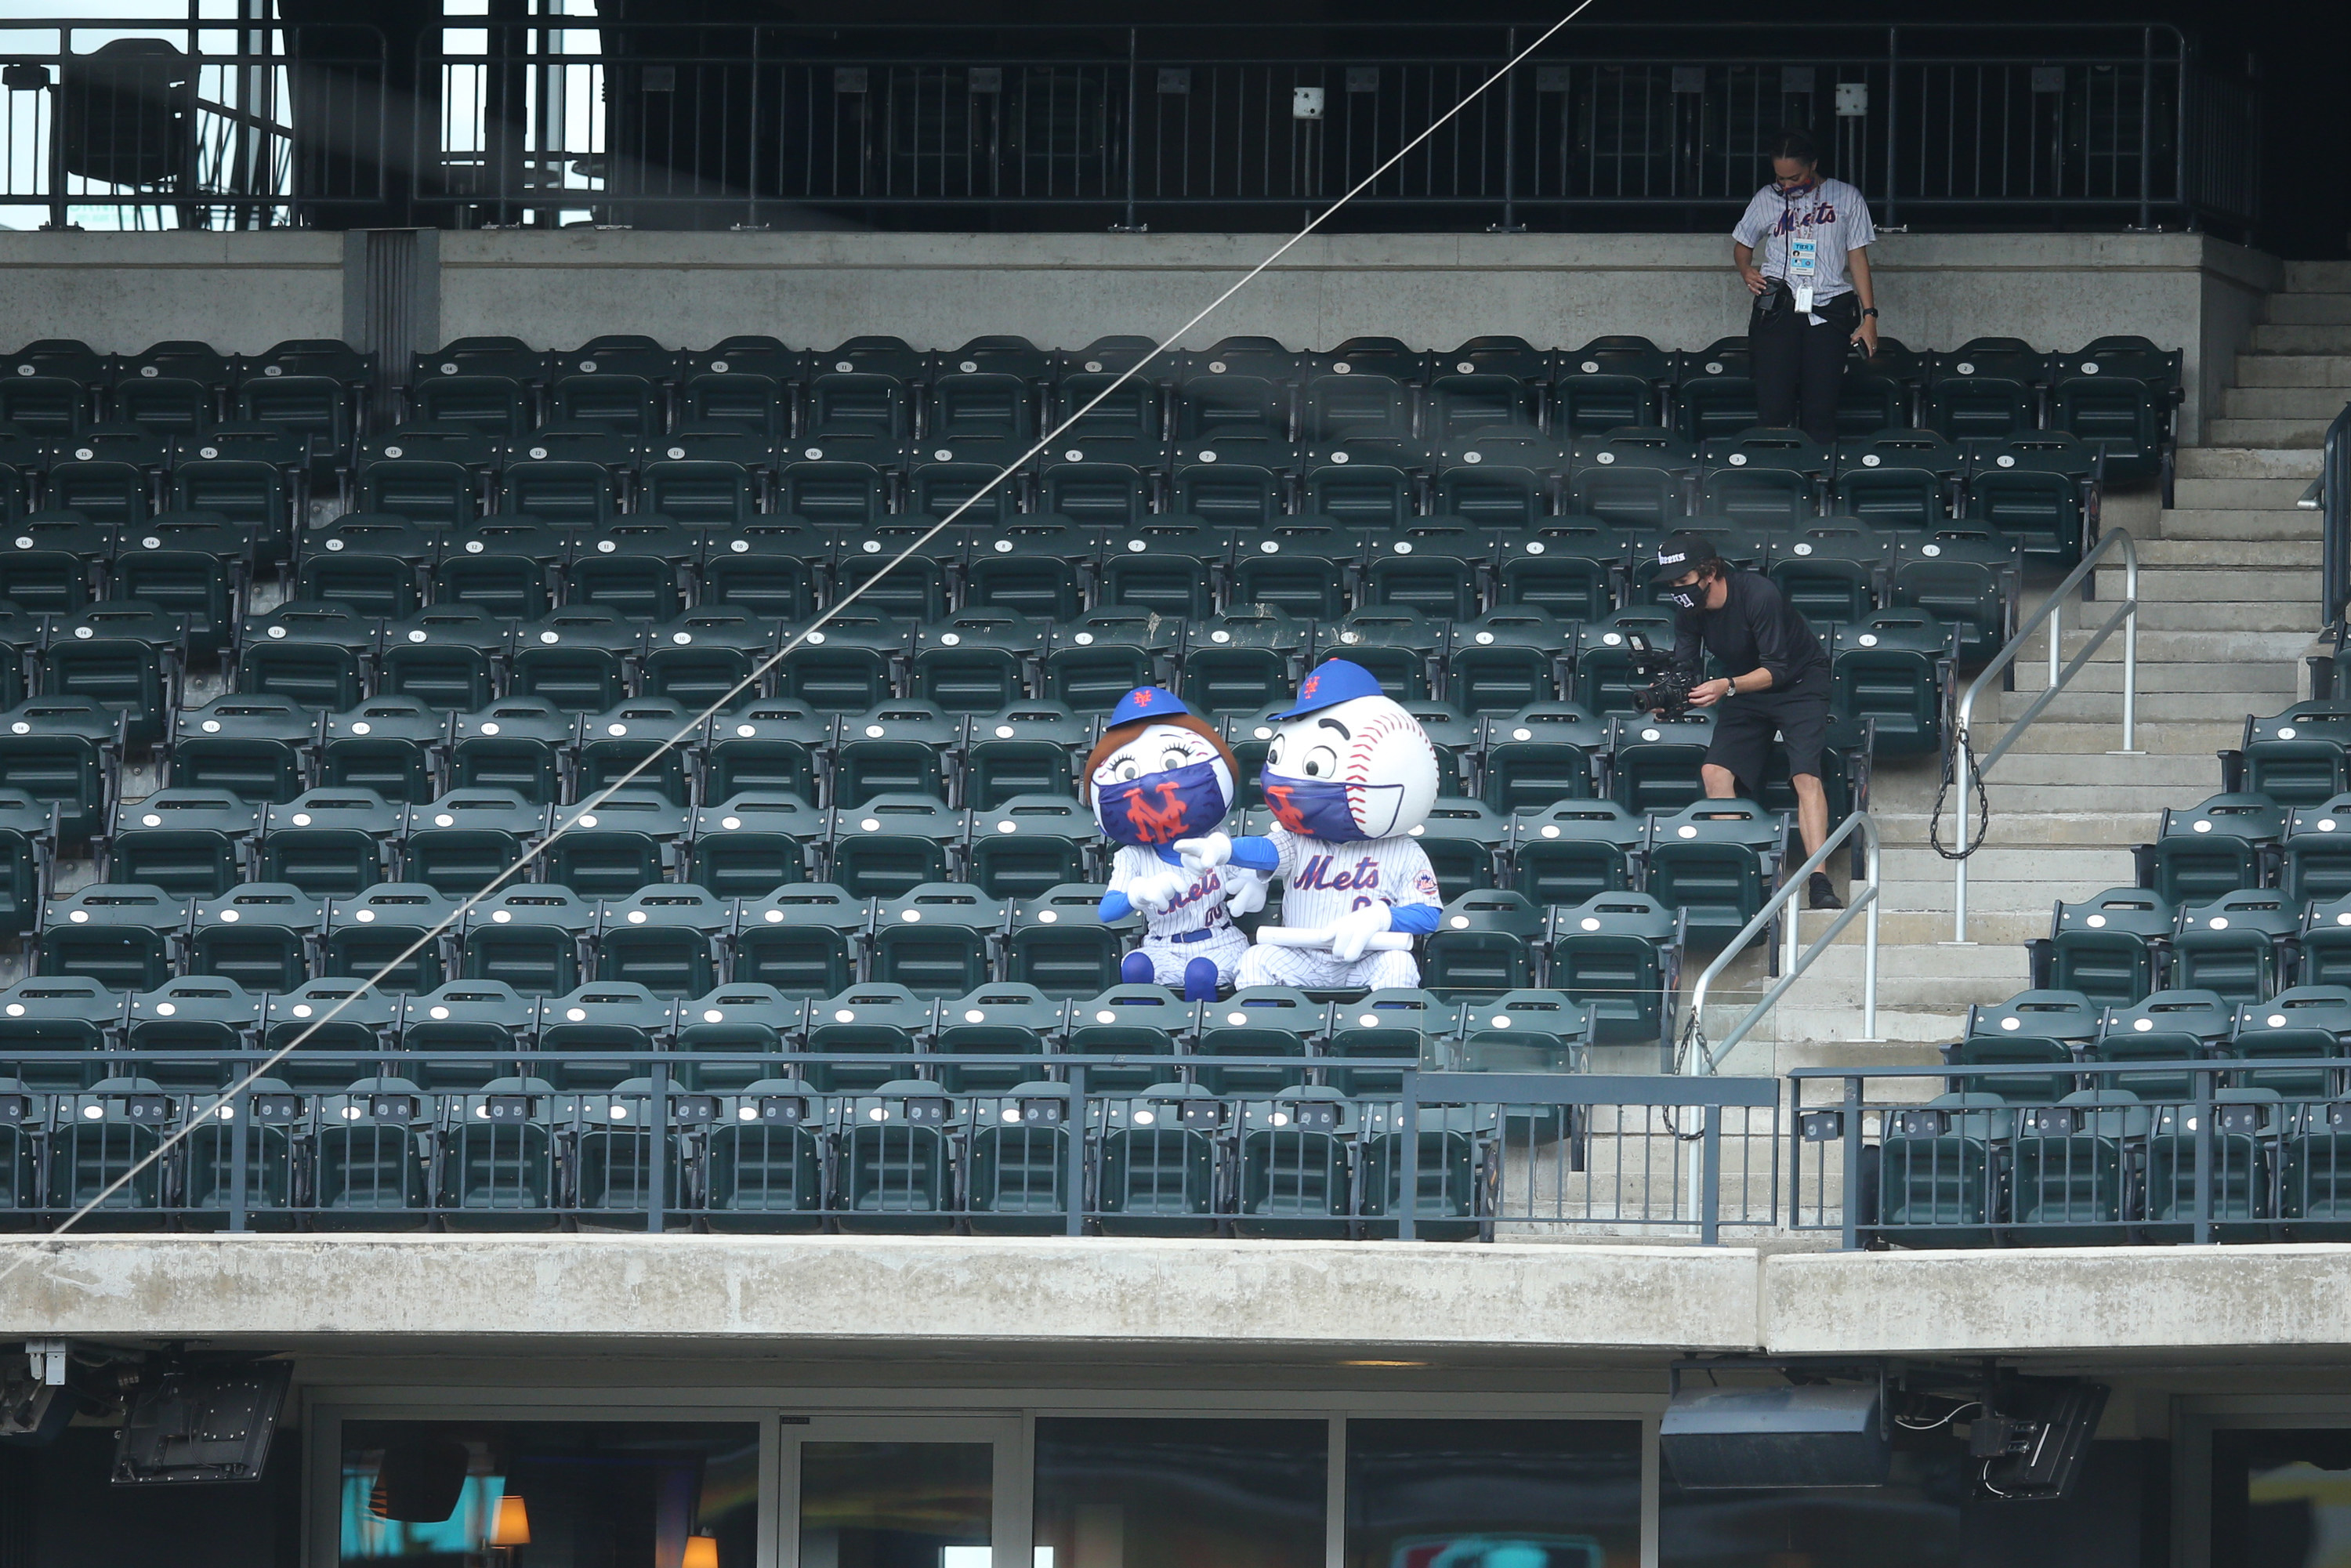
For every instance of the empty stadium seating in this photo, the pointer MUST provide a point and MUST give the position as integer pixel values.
(440, 637)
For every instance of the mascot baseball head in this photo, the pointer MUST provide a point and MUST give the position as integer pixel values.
(1159, 773)
(1347, 761)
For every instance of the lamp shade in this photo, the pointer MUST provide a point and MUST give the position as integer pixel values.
(512, 1526)
(701, 1551)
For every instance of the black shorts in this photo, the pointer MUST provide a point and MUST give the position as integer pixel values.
(1744, 726)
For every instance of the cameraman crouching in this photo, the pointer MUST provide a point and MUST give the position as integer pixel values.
(1782, 685)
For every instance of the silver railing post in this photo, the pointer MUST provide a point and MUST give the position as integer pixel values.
(1966, 768)
(1863, 901)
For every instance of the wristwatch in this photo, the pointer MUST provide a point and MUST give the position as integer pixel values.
(1872, 310)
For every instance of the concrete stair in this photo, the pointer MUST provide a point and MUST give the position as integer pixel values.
(2229, 598)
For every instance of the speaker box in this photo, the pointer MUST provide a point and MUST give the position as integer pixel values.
(1809, 1436)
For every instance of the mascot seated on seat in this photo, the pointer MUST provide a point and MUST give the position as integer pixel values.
(1348, 775)
(1159, 774)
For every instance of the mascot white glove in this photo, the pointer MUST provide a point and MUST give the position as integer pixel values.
(1245, 890)
(1352, 931)
(1206, 853)
(1157, 893)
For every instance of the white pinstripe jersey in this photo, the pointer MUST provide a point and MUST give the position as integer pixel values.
(1202, 906)
(1321, 880)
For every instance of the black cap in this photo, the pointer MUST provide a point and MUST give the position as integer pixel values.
(1678, 554)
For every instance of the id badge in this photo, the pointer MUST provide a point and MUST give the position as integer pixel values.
(1804, 262)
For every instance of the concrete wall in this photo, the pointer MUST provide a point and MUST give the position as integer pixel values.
(1125, 1297)
(555, 289)
(119, 293)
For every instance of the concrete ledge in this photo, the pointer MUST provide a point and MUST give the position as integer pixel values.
(1106, 1292)
(2091, 1299)
(908, 1292)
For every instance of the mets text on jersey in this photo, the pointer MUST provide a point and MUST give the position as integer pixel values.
(1316, 873)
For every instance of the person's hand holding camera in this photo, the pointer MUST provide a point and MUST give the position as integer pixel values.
(1706, 693)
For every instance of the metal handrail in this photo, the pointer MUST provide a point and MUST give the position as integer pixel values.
(2330, 494)
(1962, 755)
(1708, 1058)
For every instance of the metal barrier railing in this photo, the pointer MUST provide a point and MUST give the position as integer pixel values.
(1698, 1055)
(1965, 768)
(547, 120)
(2187, 1150)
(2330, 494)
(1189, 1143)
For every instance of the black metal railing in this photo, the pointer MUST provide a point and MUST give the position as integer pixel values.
(547, 121)
(2073, 1153)
(2333, 494)
(337, 1140)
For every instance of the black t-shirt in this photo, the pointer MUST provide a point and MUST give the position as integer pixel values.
(1756, 628)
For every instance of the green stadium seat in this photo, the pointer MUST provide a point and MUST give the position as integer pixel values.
(1130, 1021)
(1484, 945)
(369, 935)
(773, 744)
(529, 936)
(1464, 841)
(1391, 1031)
(627, 742)
(122, 934)
(310, 652)
(1025, 845)
(608, 847)
(2216, 848)
(1620, 953)
(259, 934)
(1716, 862)
(1058, 943)
(1296, 1170)
(998, 1019)
(1158, 1162)
(937, 938)
(806, 939)
(2301, 1023)
(1574, 850)
(1257, 1021)
(2241, 944)
(62, 751)
(2112, 947)
(190, 843)
(1540, 755)
(462, 842)
(753, 843)
(516, 744)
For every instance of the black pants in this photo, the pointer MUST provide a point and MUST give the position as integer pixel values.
(1798, 365)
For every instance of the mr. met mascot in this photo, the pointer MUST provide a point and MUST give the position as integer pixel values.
(1348, 774)
(1159, 775)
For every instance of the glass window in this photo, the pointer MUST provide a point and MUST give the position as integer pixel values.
(896, 1505)
(1141, 1493)
(2282, 1499)
(572, 1494)
(1493, 1494)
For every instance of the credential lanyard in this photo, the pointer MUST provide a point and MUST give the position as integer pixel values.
(1803, 254)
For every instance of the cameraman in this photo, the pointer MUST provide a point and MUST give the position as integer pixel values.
(1781, 683)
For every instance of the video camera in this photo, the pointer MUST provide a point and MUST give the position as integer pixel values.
(1668, 688)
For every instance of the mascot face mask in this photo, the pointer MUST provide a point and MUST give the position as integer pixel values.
(1362, 769)
(1163, 784)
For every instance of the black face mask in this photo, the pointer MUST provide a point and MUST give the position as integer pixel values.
(1689, 597)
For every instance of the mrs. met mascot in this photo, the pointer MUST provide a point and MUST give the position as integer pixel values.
(1159, 775)
(1348, 774)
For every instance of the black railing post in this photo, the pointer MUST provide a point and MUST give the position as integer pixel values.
(239, 1149)
(657, 1134)
(1893, 114)
(1134, 109)
(2204, 1151)
(1408, 1153)
(1709, 1178)
(1075, 1155)
(1510, 136)
(2334, 515)
(2147, 122)
(1852, 1204)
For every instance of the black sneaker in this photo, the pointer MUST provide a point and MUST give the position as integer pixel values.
(1821, 895)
